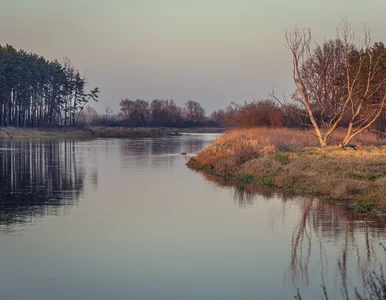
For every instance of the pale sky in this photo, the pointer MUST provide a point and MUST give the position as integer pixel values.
(210, 51)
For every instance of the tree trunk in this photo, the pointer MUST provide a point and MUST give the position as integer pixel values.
(323, 143)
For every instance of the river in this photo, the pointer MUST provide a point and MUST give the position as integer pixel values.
(126, 219)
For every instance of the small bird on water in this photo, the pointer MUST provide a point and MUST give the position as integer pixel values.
(185, 151)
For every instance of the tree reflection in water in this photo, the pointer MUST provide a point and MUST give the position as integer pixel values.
(245, 194)
(322, 223)
(37, 178)
(160, 152)
(357, 235)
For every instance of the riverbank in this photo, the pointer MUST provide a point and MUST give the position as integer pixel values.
(290, 159)
(98, 132)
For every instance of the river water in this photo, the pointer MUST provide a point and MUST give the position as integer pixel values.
(126, 219)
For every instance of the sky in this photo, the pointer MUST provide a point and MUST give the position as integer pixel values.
(211, 51)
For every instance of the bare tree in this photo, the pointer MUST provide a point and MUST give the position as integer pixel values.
(337, 81)
(134, 113)
(194, 112)
(127, 108)
(218, 116)
(108, 111)
(165, 113)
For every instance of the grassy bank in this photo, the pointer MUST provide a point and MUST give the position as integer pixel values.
(290, 159)
(97, 132)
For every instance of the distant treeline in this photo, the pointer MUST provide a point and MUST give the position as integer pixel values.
(157, 113)
(165, 113)
(36, 92)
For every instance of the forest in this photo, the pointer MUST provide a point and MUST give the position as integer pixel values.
(36, 92)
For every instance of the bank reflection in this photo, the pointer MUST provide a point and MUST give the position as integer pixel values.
(322, 229)
(324, 221)
(245, 194)
(37, 178)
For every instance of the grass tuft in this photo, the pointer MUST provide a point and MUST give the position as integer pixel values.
(362, 208)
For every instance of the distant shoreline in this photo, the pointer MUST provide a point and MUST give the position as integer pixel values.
(12, 133)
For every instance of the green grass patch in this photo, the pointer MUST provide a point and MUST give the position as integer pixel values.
(245, 178)
(265, 179)
(283, 158)
(363, 176)
(362, 208)
(261, 179)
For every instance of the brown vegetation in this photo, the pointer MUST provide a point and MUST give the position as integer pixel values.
(256, 113)
(289, 158)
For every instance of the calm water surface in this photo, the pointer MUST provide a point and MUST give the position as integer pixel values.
(126, 219)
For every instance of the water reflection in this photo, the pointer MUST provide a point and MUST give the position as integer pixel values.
(245, 194)
(147, 227)
(161, 153)
(326, 222)
(329, 236)
(37, 179)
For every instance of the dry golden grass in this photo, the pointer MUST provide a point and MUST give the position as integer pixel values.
(289, 158)
(246, 144)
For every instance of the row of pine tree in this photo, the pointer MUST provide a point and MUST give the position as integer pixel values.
(36, 92)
